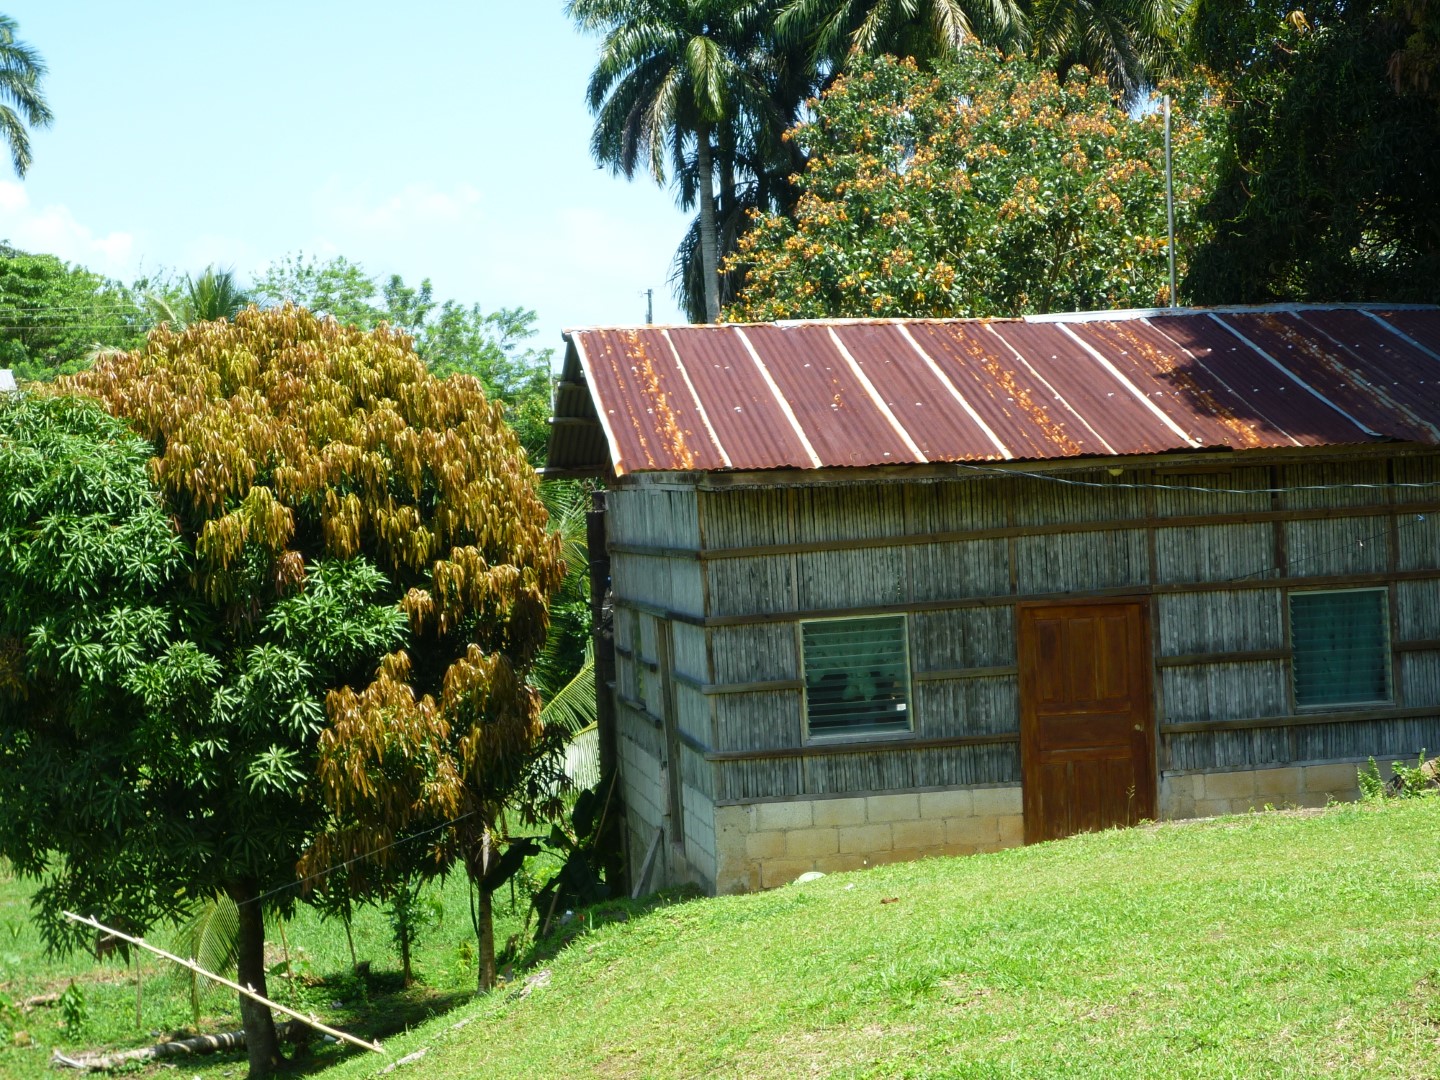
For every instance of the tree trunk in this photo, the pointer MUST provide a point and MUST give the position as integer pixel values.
(708, 262)
(261, 1040)
(487, 942)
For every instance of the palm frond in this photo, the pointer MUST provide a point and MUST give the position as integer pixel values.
(573, 706)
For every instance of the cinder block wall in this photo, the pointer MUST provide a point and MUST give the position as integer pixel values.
(765, 844)
(1206, 794)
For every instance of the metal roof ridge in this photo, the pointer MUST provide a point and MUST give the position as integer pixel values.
(1113, 314)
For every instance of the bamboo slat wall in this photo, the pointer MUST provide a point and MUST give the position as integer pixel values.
(1216, 550)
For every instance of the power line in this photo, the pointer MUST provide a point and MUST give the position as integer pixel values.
(358, 858)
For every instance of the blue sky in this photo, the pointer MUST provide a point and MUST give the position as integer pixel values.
(436, 139)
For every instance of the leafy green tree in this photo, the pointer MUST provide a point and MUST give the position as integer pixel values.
(1328, 188)
(22, 101)
(984, 188)
(178, 666)
(54, 316)
(335, 287)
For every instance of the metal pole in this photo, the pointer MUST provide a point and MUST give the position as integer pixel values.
(649, 306)
(1170, 203)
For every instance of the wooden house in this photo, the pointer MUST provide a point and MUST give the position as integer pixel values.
(886, 589)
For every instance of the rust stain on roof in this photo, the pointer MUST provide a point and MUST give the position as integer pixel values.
(849, 393)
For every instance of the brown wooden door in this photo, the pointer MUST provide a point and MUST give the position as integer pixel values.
(1087, 731)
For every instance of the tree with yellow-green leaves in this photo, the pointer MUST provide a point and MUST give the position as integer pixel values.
(324, 652)
(986, 187)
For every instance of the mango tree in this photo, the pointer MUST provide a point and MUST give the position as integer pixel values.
(353, 549)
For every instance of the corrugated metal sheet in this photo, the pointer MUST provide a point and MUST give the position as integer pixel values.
(854, 393)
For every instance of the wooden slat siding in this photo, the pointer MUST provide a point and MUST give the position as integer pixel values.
(968, 707)
(1354, 546)
(1314, 739)
(937, 571)
(668, 518)
(663, 584)
(764, 653)
(1337, 581)
(1003, 531)
(1217, 692)
(693, 713)
(830, 515)
(1081, 562)
(1212, 553)
(876, 770)
(1418, 539)
(1266, 723)
(971, 765)
(1420, 675)
(758, 721)
(1331, 475)
(1209, 622)
(1038, 502)
(943, 507)
(1416, 470)
(746, 518)
(691, 658)
(1196, 504)
(1392, 591)
(764, 584)
(696, 772)
(836, 579)
(950, 640)
(743, 781)
(1196, 659)
(1419, 605)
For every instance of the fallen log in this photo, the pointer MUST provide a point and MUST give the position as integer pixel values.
(199, 1044)
(38, 1000)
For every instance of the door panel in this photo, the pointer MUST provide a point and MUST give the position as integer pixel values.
(1087, 730)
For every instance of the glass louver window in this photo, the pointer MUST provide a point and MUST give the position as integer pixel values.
(1341, 647)
(857, 676)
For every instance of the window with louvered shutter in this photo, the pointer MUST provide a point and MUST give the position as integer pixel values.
(1341, 647)
(857, 676)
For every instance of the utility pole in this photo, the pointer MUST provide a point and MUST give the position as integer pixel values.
(649, 306)
(1170, 203)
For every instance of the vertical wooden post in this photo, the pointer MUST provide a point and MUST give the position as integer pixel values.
(610, 845)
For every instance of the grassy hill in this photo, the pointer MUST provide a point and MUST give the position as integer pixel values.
(1270, 945)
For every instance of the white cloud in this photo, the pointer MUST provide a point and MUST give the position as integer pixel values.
(416, 206)
(54, 230)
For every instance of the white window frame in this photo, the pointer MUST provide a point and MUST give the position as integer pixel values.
(891, 734)
(1389, 651)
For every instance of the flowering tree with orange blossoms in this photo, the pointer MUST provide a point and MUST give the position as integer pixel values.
(984, 188)
(370, 537)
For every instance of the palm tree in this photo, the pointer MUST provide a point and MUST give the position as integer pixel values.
(923, 29)
(215, 294)
(676, 81)
(21, 100)
(1127, 41)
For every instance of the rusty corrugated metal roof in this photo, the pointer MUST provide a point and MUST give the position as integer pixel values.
(826, 394)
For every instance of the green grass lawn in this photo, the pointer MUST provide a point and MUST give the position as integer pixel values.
(377, 1005)
(1271, 945)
